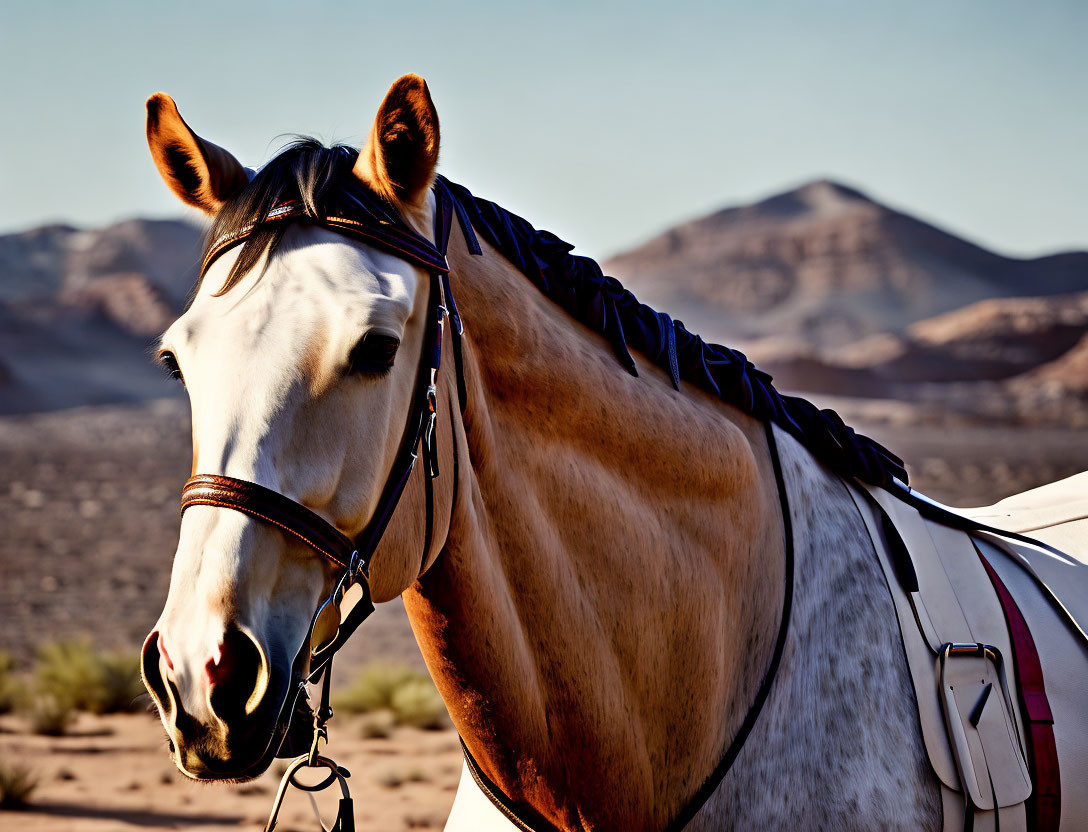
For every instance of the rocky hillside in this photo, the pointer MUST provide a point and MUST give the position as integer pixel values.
(827, 289)
(79, 311)
(825, 265)
(992, 340)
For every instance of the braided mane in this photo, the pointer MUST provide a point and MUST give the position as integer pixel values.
(600, 302)
(320, 178)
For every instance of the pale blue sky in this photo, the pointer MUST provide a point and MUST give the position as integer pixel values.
(604, 122)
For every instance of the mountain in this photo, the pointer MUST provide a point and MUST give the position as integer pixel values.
(79, 311)
(825, 288)
(824, 266)
(996, 340)
(1066, 375)
(44, 260)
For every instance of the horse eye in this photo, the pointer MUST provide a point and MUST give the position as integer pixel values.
(374, 353)
(170, 363)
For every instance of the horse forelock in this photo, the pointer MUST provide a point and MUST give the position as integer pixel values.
(305, 171)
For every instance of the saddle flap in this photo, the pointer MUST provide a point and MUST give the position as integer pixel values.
(978, 713)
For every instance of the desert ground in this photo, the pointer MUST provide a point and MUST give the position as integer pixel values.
(90, 501)
(112, 772)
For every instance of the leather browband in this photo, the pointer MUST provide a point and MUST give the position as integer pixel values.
(372, 229)
(272, 507)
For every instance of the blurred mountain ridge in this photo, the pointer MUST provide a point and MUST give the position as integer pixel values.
(826, 288)
(832, 292)
(80, 310)
(828, 265)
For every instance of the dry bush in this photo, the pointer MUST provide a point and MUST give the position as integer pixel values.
(374, 687)
(16, 785)
(377, 725)
(10, 687)
(416, 775)
(417, 703)
(73, 672)
(409, 695)
(430, 820)
(389, 778)
(49, 715)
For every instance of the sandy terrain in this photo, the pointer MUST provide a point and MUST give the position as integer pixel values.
(113, 773)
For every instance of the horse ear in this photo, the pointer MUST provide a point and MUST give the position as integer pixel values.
(401, 152)
(202, 174)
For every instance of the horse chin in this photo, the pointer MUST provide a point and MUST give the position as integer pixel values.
(207, 758)
(247, 750)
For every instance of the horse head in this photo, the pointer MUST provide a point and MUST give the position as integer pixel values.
(300, 352)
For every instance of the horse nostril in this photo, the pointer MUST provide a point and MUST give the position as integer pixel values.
(149, 666)
(221, 665)
(235, 674)
(166, 656)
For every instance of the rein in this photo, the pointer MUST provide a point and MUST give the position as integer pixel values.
(371, 220)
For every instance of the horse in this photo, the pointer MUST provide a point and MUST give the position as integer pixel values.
(614, 568)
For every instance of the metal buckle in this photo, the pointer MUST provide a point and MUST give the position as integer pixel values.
(956, 648)
(972, 688)
(430, 446)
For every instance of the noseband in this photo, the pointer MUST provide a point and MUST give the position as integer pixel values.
(369, 219)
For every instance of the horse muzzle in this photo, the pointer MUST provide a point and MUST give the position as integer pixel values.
(228, 721)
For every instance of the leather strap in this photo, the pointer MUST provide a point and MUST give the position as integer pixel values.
(1045, 803)
(272, 507)
(365, 216)
(445, 205)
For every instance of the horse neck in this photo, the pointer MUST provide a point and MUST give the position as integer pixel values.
(608, 595)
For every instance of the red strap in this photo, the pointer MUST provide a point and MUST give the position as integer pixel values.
(1044, 806)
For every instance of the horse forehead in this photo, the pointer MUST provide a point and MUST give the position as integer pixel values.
(314, 259)
(316, 275)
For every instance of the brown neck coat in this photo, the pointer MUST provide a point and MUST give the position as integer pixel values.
(608, 537)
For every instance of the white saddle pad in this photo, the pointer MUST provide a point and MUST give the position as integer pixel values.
(1057, 515)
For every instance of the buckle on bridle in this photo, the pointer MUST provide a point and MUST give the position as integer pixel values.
(429, 439)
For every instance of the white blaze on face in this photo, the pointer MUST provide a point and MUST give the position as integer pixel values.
(265, 368)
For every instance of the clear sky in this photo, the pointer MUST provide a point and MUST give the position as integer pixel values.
(605, 122)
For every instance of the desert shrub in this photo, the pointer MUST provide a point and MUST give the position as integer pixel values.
(73, 672)
(389, 778)
(377, 725)
(417, 703)
(374, 687)
(16, 785)
(49, 715)
(10, 687)
(409, 695)
(122, 688)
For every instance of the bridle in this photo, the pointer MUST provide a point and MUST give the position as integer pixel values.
(372, 220)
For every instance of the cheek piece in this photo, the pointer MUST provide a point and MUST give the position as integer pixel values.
(298, 727)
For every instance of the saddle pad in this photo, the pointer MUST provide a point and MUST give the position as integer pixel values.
(1064, 501)
(1057, 516)
(1063, 656)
